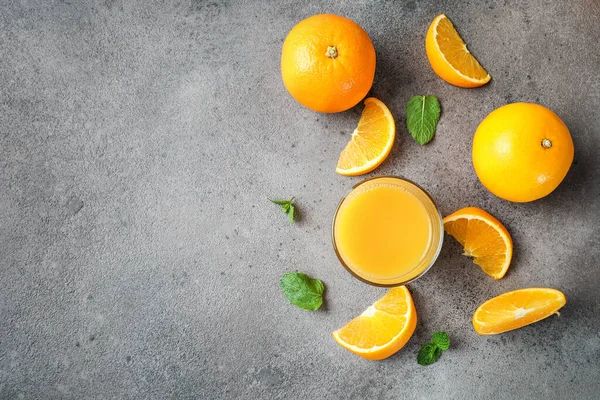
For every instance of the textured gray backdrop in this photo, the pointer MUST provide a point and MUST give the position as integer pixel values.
(140, 258)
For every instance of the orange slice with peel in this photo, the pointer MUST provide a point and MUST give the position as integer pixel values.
(516, 309)
(371, 141)
(450, 58)
(483, 237)
(383, 329)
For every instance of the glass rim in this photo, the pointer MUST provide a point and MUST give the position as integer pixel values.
(388, 285)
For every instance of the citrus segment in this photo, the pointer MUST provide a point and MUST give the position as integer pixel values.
(383, 328)
(483, 237)
(516, 309)
(449, 57)
(371, 141)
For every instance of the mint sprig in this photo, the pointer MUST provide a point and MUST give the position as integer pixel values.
(286, 207)
(430, 352)
(422, 116)
(302, 290)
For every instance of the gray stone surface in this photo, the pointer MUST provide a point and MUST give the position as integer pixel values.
(140, 258)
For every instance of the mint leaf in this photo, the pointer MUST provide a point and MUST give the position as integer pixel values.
(286, 207)
(441, 340)
(422, 116)
(428, 354)
(302, 291)
(280, 202)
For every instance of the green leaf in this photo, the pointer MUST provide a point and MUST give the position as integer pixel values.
(422, 116)
(428, 354)
(281, 202)
(302, 291)
(286, 207)
(441, 340)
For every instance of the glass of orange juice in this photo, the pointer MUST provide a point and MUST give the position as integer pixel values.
(387, 231)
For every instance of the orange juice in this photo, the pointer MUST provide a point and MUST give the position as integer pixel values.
(387, 231)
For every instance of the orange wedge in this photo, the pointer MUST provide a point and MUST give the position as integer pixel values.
(516, 309)
(383, 329)
(450, 58)
(483, 237)
(371, 141)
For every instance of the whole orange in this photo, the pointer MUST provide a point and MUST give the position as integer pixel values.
(328, 63)
(522, 151)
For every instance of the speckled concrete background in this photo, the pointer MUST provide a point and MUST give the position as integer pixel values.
(140, 258)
